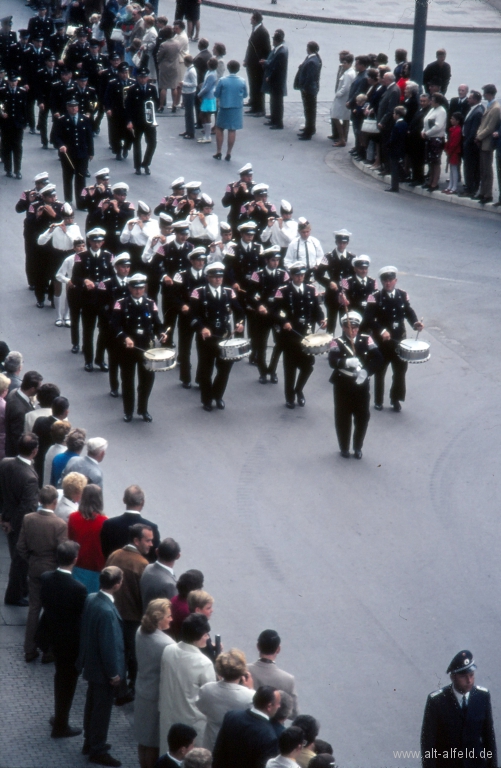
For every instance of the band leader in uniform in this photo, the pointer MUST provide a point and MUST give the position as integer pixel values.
(458, 730)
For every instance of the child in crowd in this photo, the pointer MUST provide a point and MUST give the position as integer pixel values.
(453, 152)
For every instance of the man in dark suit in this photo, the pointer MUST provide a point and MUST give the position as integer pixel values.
(458, 730)
(396, 147)
(258, 49)
(438, 71)
(158, 579)
(359, 85)
(115, 531)
(247, 738)
(460, 102)
(275, 79)
(140, 121)
(13, 117)
(415, 143)
(307, 81)
(42, 429)
(74, 138)
(17, 406)
(471, 150)
(18, 497)
(102, 662)
(63, 600)
(389, 100)
(41, 25)
(180, 740)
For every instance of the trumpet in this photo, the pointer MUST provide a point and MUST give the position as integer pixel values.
(125, 89)
(149, 113)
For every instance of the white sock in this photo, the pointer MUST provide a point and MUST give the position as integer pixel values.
(207, 127)
(57, 302)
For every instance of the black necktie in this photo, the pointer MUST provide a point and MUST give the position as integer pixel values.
(464, 705)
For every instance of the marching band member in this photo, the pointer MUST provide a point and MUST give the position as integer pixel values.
(170, 259)
(237, 194)
(139, 121)
(304, 248)
(92, 195)
(220, 249)
(355, 290)
(69, 306)
(281, 230)
(334, 267)
(258, 210)
(204, 223)
(117, 287)
(185, 283)
(169, 203)
(136, 232)
(115, 213)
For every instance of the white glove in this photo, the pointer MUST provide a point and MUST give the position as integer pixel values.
(352, 363)
(361, 376)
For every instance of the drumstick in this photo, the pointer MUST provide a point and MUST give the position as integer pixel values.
(417, 334)
(349, 323)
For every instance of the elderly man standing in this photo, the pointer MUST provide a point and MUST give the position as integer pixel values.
(131, 559)
(340, 113)
(89, 465)
(487, 141)
(471, 149)
(307, 81)
(19, 403)
(258, 49)
(275, 79)
(41, 533)
(385, 122)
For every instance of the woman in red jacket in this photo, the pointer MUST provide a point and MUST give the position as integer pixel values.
(453, 152)
(85, 526)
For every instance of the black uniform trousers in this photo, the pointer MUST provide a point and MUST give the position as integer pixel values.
(208, 356)
(30, 109)
(184, 344)
(129, 360)
(150, 135)
(97, 714)
(170, 313)
(75, 306)
(277, 109)
(135, 253)
(295, 360)
(78, 174)
(256, 96)
(310, 113)
(262, 327)
(17, 587)
(351, 403)
(12, 148)
(90, 316)
(471, 166)
(333, 310)
(65, 683)
(30, 246)
(43, 117)
(119, 134)
(399, 368)
(114, 352)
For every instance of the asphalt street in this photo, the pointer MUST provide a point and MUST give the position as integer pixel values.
(374, 572)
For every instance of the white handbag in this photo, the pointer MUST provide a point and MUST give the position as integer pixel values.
(369, 126)
(117, 35)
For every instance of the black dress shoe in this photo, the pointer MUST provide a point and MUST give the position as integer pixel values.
(102, 367)
(147, 170)
(146, 416)
(357, 454)
(301, 401)
(67, 733)
(88, 367)
(19, 175)
(345, 454)
(263, 379)
(138, 171)
(186, 385)
(118, 157)
(220, 404)
(9, 174)
(75, 349)
(304, 137)
(127, 417)
(276, 127)
(273, 378)
(40, 304)
(390, 189)
(29, 657)
(207, 407)
(485, 200)
(125, 154)
(290, 404)
(22, 603)
(105, 759)
(378, 406)
(396, 406)
(128, 698)
(217, 156)
(114, 392)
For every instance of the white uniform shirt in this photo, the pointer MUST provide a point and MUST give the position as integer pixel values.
(62, 241)
(280, 236)
(63, 275)
(209, 232)
(139, 235)
(150, 251)
(307, 251)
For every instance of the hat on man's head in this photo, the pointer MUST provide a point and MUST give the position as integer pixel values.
(360, 260)
(181, 226)
(193, 186)
(247, 228)
(123, 66)
(120, 185)
(462, 662)
(81, 76)
(81, 32)
(104, 173)
(206, 200)
(59, 23)
(216, 269)
(297, 268)
(143, 72)
(285, 206)
(115, 56)
(198, 253)
(388, 271)
(138, 280)
(143, 207)
(260, 189)
(72, 103)
(343, 235)
(224, 226)
(122, 258)
(24, 33)
(6, 20)
(247, 168)
(272, 252)
(352, 317)
(302, 223)
(67, 210)
(94, 43)
(96, 234)
(166, 218)
(41, 176)
(13, 75)
(178, 183)
(78, 241)
(49, 189)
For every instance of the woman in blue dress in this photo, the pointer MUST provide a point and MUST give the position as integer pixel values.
(231, 92)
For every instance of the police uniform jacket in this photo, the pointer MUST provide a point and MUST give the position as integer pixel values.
(388, 312)
(94, 65)
(45, 80)
(168, 205)
(15, 106)
(75, 55)
(234, 200)
(96, 268)
(60, 94)
(38, 27)
(6, 41)
(31, 62)
(169, 259)
(108, 74)
(249, 212)
(90, 203)
(214, 313)
(16, 53)
(357, 290)
(333, 267)
(242, 263)
(57, 43)
(184, 206)
(135, 101)
(341, 350)
(24, 203)
(114, 96)
(445, 727)
(116, 289)
(77, 138)
(39, 223)
(185, 283)
(114, 222)
(299, 308)
(264, 285)
(138, 320)
(87, 99)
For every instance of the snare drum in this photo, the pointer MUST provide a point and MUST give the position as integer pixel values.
(234, 349)
(317, 343)
(159, 359)
(413, 351)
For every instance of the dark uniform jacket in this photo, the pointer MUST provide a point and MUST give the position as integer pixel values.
(264, 286)
(16, 54)
(75, 55)
(90, 203)
(60, 94)
(169, 259)
(135, 101)
(168, 205)
(241, 265)
(38, 27)
(333, 268)
(77, 138)
(445, 728)
(365, 349)
(15, 107)
(24, 202)
(251, 212)
(6, 41)
(114, 96)
(31, 62)
(388, 313)
(95, 268)
(301, 309)
(185, 283)
(94, 66)
(115, 290)
(140, 322)
(234, 199)
(45, 80)
(214, 313)
(39, 223)
(114, 222)
(57, 43)
(356, 292)
(87, 100)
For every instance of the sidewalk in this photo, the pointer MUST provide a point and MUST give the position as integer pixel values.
(443, 15)
(27, 702)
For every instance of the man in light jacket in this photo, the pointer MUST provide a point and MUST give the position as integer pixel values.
(488, 126)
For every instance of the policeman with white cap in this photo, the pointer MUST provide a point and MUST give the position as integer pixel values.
(136, 232)
(281, 231)
(238, 193)
(385, 316)
(170, 259)
(304, 248)
(212, 307)
(168, 204)
(41, 214)
(92, 195)
(334, 267)
(117, 287)
(136, 323)
(185, 282)
(354, 357)
(91, 268)
(28, 198)
(258, 209)
(356, 289)
(115, 213)
(241, 263)
(204, 223)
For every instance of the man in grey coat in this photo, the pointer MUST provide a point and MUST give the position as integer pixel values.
(89, 465)
(158, 579)
(265, 671)
(102, 661)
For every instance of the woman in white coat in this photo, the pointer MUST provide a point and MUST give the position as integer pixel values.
(148, 44)
(184, 670)
(340, 114)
